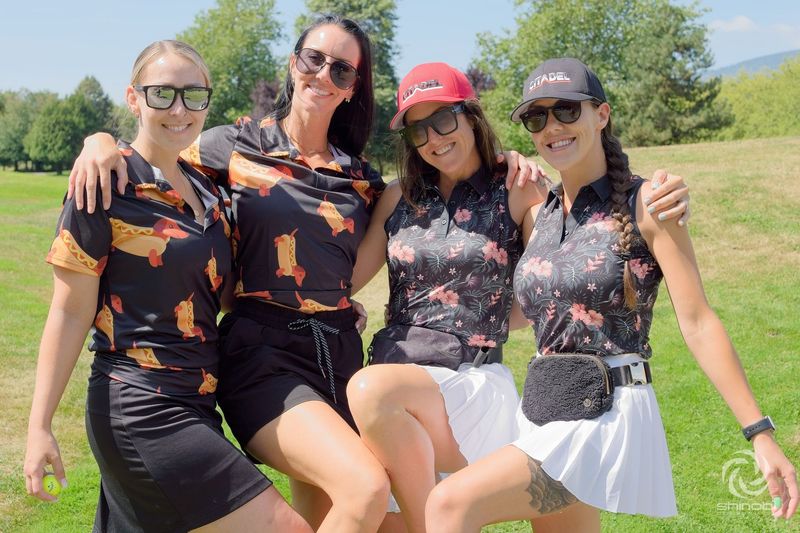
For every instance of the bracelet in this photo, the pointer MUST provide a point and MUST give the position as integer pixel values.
(759, 427)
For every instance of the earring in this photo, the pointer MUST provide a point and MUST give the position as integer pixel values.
(347, 100)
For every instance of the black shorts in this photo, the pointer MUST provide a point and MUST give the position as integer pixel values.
(165, 464)
(272, 362)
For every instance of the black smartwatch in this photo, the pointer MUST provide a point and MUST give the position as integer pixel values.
(754, 429)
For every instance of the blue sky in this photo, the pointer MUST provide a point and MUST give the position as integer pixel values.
(53, 44)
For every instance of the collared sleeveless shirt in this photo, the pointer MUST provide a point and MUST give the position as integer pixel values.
(451, 263)
(297, 228)
(569, 279)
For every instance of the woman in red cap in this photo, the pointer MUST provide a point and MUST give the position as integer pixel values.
(451, 233)
(591, 435)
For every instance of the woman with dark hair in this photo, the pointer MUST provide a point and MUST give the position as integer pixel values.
(591, 435)
(301, 198)
(451, 234)
(148, 274)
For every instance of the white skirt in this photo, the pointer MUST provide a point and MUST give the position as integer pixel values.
(617, 462)
(481, 405)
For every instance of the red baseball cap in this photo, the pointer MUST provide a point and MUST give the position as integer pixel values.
(430, 82)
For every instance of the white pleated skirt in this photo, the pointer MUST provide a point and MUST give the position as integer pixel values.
(617, 462)
(481, 405)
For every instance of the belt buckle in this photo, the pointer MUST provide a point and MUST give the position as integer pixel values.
(638, 374)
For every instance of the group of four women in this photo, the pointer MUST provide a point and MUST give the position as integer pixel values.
(309, 224)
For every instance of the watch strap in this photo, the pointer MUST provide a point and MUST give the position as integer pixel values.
(754, 429)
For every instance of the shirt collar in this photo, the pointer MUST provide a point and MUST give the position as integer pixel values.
(479, 181)
(601, 187)
(275, 143)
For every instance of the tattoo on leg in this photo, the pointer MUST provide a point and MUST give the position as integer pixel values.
(547, 494)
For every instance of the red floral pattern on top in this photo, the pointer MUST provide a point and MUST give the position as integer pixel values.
(569, 279)
(452, 270)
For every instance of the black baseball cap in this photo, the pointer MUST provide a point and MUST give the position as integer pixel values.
(565, 78)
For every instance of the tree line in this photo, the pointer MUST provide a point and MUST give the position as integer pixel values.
(651, 55)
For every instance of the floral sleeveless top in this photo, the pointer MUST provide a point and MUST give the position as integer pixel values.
(569, 280)
(451, 263)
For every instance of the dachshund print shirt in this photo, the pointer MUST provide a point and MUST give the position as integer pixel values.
(297, 228)
(569, 280)
(451, 264)
(160, 275)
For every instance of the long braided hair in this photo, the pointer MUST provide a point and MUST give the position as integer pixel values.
(619, 174)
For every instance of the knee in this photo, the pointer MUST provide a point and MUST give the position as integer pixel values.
(366, 490)
(370, 394)
(446, 509)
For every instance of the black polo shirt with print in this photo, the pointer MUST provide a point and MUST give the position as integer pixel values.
(160, 275)
(297, 228)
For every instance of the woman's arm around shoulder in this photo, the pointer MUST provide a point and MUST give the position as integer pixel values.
(372, 250)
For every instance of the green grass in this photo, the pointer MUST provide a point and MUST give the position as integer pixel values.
(746, 228)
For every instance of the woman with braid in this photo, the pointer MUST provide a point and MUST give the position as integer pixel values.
(591, 436)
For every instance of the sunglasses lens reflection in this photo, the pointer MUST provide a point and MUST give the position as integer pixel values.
(535, 118)
(160, 97)
(310, 61)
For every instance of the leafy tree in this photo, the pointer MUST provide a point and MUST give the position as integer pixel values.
(20, 111)
(764, 104)
(52, 140)
(122, 124)
(649, 54)
(99, 111)
(57, 133)
(234, 38)
(378, 18)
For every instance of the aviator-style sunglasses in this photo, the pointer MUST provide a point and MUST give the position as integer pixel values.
(310, 61)
(565, 111)
(163, 96)
(443, 122)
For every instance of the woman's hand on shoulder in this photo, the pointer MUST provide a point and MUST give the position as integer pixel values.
(522, 170)
(668, 196)
(98, 158)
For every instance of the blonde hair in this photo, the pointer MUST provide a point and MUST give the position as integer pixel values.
(159, 48)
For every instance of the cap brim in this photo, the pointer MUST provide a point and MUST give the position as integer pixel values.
(522, 107)
(396, 123)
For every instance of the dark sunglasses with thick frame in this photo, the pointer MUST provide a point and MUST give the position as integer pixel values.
(443, 122)
(163, 96)
(565, 111)
(342, 73)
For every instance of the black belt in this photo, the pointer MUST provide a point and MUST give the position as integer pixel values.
(637, 373)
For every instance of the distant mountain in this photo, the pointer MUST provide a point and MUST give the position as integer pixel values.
(751, 66)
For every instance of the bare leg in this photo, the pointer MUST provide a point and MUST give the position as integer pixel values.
(266, 512)
(393, 523)
(312, 444)
(505, 485)
(401, 415)
(310, 501)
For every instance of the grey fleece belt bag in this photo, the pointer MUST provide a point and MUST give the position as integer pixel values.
(575, 386)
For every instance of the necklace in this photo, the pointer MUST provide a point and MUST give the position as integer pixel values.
(299, 146)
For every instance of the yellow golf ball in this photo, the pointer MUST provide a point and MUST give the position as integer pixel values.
(51, 485)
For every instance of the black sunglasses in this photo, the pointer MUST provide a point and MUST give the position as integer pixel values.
(565, 111)
(310, 61)
(163, 96)
(443, 122)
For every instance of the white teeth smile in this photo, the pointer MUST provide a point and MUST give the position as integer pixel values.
(444, 149)
(176, 128)
(561, 144)
(318, 91)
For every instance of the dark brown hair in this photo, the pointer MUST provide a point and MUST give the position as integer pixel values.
(413, 170)
(619, 174)
(351, 122)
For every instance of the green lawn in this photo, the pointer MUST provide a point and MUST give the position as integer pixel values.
(746, 227)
